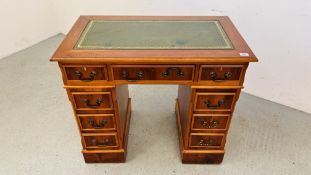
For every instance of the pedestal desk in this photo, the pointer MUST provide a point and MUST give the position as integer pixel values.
(206, 56)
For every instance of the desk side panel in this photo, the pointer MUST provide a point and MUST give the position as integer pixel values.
(122, 95)
(184, 99)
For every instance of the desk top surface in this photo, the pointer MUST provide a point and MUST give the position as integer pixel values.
(148, 34)
(147, 38)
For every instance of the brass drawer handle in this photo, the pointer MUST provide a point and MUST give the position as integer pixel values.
(103, 144)
(125, 75)
(179, 72)
(90, 78)
(140, 74)
(219, 103)
(209, 124)
(209, 142)
(227, 75)
(98, 102)
(98, 126)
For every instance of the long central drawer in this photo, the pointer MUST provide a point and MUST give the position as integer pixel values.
(138, 73)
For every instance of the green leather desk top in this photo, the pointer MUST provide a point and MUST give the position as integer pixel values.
(153, 40)
(151, 34)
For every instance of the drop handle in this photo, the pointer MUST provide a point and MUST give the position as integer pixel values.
(178, 70)
(101, 144)
(219, 103)
(209, 142)
(209, 124)
(140, 74)
(98, 126)
(227, 76)
(91, 77)
(98, 102)
(125, 75)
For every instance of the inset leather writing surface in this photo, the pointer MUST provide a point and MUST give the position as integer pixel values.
(153, 34)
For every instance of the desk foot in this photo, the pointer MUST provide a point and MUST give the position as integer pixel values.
(111, 156)
(196, 156)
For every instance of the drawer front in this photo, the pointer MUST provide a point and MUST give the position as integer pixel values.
(96, 122)
(133, 73)
(214, 101)
(221, 74)
(85, 74)
(210, 121)
(92, 100)
(206, 141)
(100, 141)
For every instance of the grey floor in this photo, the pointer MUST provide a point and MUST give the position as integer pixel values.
(38, 133)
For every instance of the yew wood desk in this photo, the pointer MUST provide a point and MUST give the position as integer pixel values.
(206, 56)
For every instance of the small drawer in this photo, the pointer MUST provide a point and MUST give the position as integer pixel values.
(210, 121)
(214, 101)
(221, 74)
(134, 73)
(100, 141)
(85, 74)
(92, 100)
(96, 122)
(206, 141)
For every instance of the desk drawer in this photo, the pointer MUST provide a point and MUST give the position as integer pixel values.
(206, 141)
(85, 74)
(100, 141)
(96, 122)
(221, 74)
(218, 101)
(92, 100)
(134, 73)
(210, 122)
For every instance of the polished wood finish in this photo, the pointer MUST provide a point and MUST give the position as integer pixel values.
(206, 141)
(111, 155)
(92, 100)
(121, 98)
(210, 82)
(194, 156)
(134, 73)
(208, 122)
(65, 52)
(102, 156)
(214, 101)
(217, 75)
(84, 73)
(100, 141)
(96, 122)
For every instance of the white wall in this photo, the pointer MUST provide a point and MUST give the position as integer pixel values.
(24, 23)
(278, 31)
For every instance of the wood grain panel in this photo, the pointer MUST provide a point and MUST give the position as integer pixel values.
(100, 141)
(96, 122)
(221, 75)
(208, 122)
(84, 74)
(141, 73)
(214, 101)
(184, 101)
(206, 141)
(92, 100)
